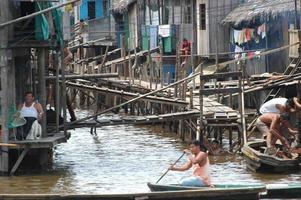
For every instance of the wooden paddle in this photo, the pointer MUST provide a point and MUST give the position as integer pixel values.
(169, 169)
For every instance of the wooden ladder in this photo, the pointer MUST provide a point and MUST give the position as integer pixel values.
(292, 69)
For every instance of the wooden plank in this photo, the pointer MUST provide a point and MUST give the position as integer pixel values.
(221, 75)
(221, 91)
(11, 145)
(18, 162)
(85, 76)
(126, 94)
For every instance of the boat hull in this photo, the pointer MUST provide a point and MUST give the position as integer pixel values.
(282, 191)
(218, 192)
(256, 160)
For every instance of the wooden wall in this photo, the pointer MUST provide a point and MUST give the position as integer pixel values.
(216, 36)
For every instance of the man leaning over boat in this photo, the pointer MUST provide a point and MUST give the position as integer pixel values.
(274, 116)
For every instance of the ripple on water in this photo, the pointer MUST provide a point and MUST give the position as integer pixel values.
(122, 159)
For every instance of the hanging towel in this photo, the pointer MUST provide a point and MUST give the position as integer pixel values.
(164, 30)
(236, 34)
(35, 131)
(248, 34)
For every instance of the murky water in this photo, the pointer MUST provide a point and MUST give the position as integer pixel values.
(122, 159)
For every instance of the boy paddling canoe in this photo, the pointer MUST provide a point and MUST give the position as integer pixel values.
(199, 161)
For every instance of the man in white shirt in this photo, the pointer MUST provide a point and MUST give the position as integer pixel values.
(278, 106)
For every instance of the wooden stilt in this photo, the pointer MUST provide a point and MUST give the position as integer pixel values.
(42, 86)
(18, 162)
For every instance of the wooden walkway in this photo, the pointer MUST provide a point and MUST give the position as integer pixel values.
(47, 142)
(26, 145)
(139, 119)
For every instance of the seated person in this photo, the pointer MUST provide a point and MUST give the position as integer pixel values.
(199, 161)
(31, 111)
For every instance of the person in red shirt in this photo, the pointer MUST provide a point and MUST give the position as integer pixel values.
(186, 48)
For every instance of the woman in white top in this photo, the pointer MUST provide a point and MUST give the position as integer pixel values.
(31, 111)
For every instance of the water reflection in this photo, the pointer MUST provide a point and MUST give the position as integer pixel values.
(122, 159)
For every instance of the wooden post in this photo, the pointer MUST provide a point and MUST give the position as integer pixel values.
(42, 86)
(216, 45)
(218, 94)
(173, 11)
(150, 13)
(4, 156)
(57, 91)
(242, 105)
(159, 11)
(63, 89)
(191, 97)
(123, 54)
(150, 65)
(201, 125)
(177, 70)
(161, 64)
(230, 129)
(298, 115)
(192, 51)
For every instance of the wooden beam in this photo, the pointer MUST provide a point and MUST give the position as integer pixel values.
(85, 76)
(18, 162)
(221, 75)
(42, 86)
(126, 94)
(11, 145)
(221, 91)
(4, 157)
(32, 44)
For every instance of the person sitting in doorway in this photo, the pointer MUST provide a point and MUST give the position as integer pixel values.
(199, 161)
(32, 112)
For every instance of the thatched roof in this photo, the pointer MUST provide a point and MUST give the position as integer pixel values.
(121, 6)
(260, 9)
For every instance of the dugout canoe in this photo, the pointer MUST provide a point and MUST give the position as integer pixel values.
(226, 191)
(256, 160)
(282, 191)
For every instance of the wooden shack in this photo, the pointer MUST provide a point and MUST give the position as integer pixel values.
(24, 62)
(278, 18)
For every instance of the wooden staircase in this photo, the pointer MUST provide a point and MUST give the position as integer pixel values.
(293, 68)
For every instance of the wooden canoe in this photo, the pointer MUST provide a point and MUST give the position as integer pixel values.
(256, 160)
(273, 191)
(280, 191)
(216, 192)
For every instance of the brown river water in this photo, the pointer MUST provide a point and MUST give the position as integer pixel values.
(122, 159)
